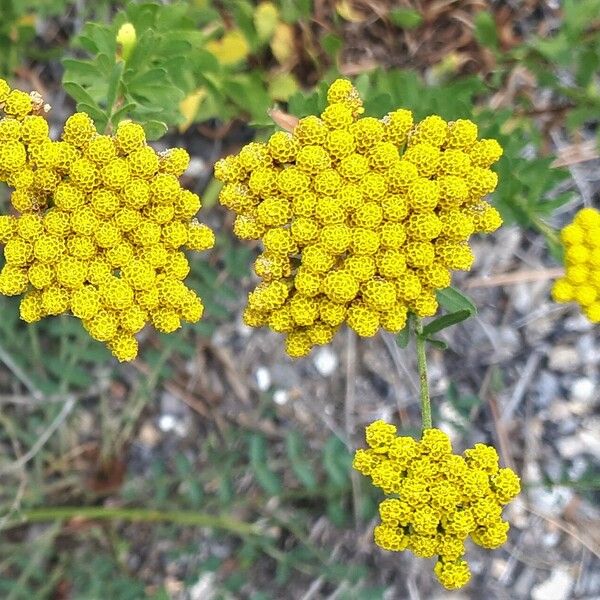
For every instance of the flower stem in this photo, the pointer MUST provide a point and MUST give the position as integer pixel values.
(176, 517)
(423, 383)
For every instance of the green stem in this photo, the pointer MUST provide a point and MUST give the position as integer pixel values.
(177, 517)
(547, 230)
(423, 383)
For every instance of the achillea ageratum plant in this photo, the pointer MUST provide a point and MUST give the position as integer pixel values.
(361, 219)
(437, 499)
(99, 226)
(581, 283)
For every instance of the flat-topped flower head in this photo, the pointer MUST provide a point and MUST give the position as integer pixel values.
(99, 227)
(439, 499)
(581, 282)
(379, 213)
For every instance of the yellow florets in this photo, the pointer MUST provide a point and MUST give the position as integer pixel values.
(368, 216)
(440, 498)
(581, 282)
(107, 250)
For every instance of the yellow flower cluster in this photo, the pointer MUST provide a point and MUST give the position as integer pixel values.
(361, 219)
(581, 282)
(439, 498)
(99, 226)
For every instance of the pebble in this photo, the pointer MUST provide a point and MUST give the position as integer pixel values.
(547, 387)
(578, 468)
(326, 361)
(590, 438)
(578, 323)
(281, 397)
(589, 352)
(557, 587)
(508, 343)
(551, 538)
(263, 378)
(204, 588)
(583, 390)
(168, 422)
(551, 502)
(498, 567)
(563, 359)
(149, 435)
(571, 446)
(196, 167)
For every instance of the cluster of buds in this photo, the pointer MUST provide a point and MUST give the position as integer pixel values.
(361, 219)
(581, 282)
(99, 226)
(438, 498)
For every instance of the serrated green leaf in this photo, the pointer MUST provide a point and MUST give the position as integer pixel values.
(444, 322)
(452, 301)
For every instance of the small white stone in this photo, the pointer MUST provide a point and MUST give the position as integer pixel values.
(578, 468)
(583, 390)
(204, 588)
(325, 361)
(557, 587)
(551, 502)
(590, 439)
(196, 168)
(167, 422)
(498, 567)
(563, 359)
(550, 539)
(578, 323)
(281, 397)
(149, 436)
(263, 379)
(571, 446)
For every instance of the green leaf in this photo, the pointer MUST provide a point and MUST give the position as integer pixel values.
(332, 44)
(98, 115)
(485, 30)
(258, 461)
(444, 322)
(295, 10)
(300, 464)
(78, 93)
(452, 300)
(337, 462)
(81, 69)
(155, 129)
(123, 113)
(439, 344)
(403, 337)
(407, 18)
(113, 85)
